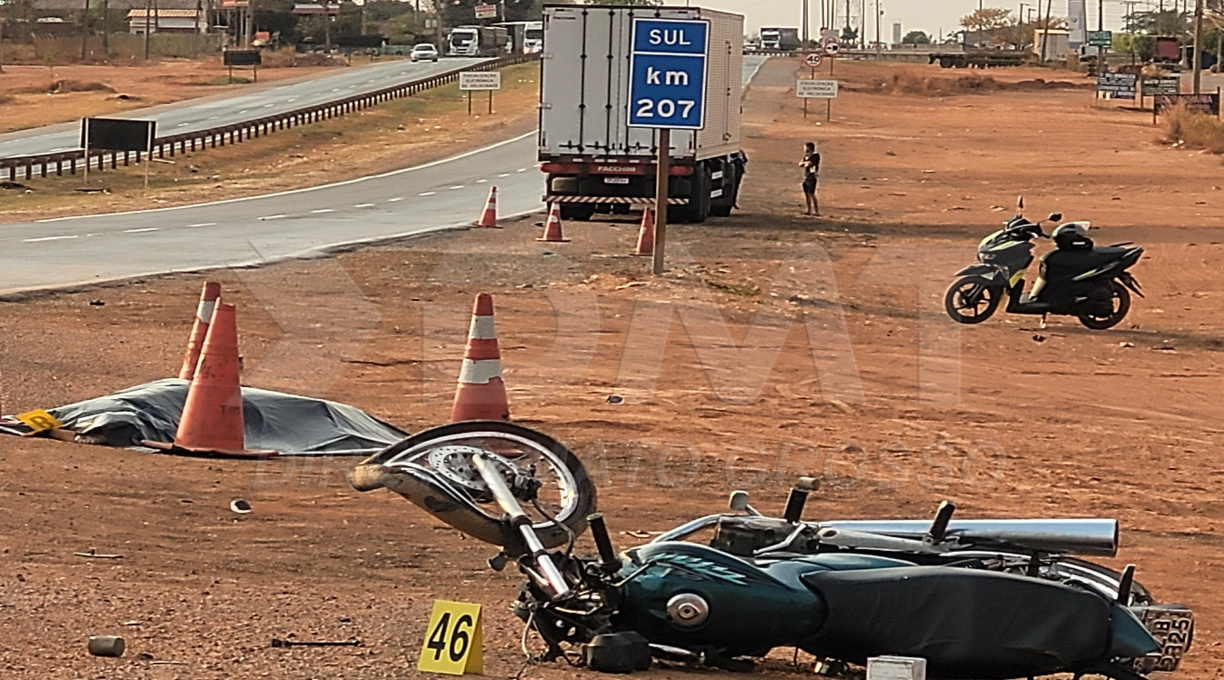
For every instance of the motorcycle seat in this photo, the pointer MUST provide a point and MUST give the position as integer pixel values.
(965, 623)
(1082, 260)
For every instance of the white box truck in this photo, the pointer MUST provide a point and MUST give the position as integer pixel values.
(594, 161)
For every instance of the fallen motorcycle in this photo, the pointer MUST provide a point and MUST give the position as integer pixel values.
(975, 598)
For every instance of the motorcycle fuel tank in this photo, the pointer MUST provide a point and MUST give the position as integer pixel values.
(691, 596)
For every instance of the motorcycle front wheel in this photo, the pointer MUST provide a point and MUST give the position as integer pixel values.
(1121, 305)
(972, 299)
(549, 481)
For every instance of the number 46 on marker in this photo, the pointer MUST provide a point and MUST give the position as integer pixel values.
(453, 642)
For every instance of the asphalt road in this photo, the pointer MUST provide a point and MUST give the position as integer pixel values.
(200, 114)
(80, 250)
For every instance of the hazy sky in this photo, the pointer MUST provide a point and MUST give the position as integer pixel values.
(923, 15)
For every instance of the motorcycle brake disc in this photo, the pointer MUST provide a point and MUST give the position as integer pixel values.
(454, 462)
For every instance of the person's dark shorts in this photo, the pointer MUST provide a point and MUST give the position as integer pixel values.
(809, 184)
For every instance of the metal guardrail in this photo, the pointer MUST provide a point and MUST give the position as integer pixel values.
(219, 135)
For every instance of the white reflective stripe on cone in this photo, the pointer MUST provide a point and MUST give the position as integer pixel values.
(205, 310)
(480, 372)
(482, 328)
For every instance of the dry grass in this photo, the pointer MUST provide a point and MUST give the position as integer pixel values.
(1193, 130)
(911, 82)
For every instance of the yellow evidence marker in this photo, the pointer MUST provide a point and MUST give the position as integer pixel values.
(39, 420)
(453, 642)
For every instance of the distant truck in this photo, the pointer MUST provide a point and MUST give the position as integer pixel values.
(478, 41)
(978, 58)
(526, 37)
(593, 160)
(785, 39)
(1166, 49)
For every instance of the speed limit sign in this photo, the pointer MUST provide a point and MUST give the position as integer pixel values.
(831, 45)
(813, 59)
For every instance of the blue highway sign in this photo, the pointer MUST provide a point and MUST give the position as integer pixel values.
(668, 73)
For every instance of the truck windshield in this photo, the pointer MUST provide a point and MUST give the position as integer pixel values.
(534, 34)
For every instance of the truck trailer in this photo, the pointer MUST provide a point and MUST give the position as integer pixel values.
(593, 160)
(785, 39)
(526, 37)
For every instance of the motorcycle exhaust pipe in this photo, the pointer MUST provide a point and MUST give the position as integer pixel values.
(1070, 536)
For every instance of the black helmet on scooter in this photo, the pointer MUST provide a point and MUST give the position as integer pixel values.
(1072, 236)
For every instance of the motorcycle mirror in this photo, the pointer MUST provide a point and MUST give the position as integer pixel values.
(1054, 217)
(739, 503)
(1020, 202)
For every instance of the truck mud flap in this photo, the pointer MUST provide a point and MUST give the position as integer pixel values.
(632, 200)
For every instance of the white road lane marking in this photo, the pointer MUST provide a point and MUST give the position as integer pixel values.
(266, 218)
(141, 231)
(201, 224)
(323, 211)
(364, 205)
(457, 186)
(521, 170)
(427, 193)
(181, 125)
(49, 238)
(292, 100)
(481, 181)
(504, 174)
(397, 199)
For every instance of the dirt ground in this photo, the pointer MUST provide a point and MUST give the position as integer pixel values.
(776, 345)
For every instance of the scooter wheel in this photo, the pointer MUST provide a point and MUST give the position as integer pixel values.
(1121, 305)
(972, 299)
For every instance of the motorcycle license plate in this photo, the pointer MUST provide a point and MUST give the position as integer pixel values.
(1173, 628)
(616, 180)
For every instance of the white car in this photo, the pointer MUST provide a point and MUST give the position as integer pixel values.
(423, 52)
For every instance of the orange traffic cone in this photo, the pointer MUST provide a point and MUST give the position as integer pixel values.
(552, 227)
(204, 312)
(212, 423)
(645, 244)
(488, 218)
(481, 394)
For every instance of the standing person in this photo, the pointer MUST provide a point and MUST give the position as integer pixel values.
(811, 170)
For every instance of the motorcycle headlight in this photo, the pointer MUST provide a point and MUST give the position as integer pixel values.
(986, 257)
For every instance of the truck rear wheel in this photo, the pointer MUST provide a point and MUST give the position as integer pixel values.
(698, 208)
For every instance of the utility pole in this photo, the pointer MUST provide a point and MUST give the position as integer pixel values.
(1045, 30)
(326, 27)
(85, 32)
(250, 27)
(1198, 39)
(1100, 15)
(804, 29)
(106, 28)
(148, 26)
(877, 18)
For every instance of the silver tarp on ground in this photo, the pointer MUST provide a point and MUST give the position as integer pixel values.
(275, 421)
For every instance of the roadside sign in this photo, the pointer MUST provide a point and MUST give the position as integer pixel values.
(667, 73)
(1100, 38)
(1117, 85)
(816, 89)
(831, 45)
(813, 59)
(479, 80)
(1161, 85)
(453, 640)
(1207, 102)
(486, 11)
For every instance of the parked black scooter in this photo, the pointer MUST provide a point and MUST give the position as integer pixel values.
(1077, 279)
